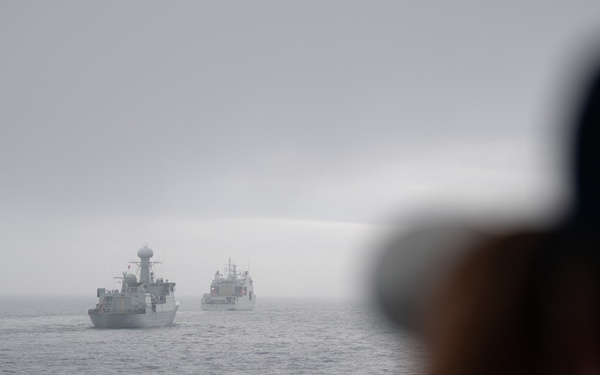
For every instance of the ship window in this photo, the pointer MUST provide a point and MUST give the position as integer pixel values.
(250, 296)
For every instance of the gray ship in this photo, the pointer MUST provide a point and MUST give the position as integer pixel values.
(232, 290)
(148, 302)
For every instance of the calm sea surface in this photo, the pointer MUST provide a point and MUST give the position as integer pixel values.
(280, 336)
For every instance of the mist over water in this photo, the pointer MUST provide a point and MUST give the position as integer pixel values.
(280, 336)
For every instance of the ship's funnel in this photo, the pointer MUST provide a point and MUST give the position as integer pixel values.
(145, 253)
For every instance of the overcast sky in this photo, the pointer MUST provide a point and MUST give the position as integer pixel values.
(282, 134)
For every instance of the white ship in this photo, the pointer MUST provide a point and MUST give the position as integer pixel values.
(230, 291)
(147, 303)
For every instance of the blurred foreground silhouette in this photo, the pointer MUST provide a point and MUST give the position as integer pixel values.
(520, 302)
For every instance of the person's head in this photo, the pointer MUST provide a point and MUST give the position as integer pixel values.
(524, 302)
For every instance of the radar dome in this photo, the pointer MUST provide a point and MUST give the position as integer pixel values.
(130, 279)
(145, 252)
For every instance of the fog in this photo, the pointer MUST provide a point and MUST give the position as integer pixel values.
(285, 135)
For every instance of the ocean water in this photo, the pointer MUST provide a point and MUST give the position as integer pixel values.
(42, 335)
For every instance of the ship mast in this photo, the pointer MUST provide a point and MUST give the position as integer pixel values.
(145, 253)
(231, 271)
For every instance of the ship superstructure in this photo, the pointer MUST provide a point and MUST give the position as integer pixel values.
(231, 290)
(149, 302)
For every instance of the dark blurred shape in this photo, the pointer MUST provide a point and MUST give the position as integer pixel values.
(586, 160)
(520, 301)
(525, 302)
(413, 263)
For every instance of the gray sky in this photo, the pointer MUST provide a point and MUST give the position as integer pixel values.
(278, 133)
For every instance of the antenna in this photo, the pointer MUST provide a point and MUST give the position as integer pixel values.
(112, 273)
(162, 271)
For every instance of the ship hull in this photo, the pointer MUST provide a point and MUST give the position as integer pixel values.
(149, 319)
(209, 305)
